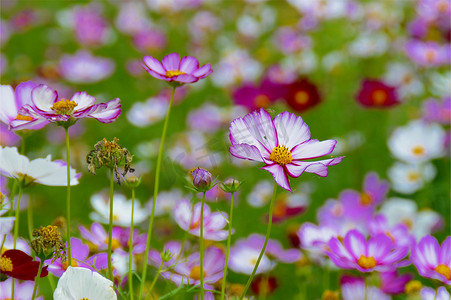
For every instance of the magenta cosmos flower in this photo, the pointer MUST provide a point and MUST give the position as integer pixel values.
(379, 253)
(175, 70)
(431, 260)
(283, 144)
(46, 106)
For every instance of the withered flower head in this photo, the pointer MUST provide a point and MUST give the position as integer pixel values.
(111, 155)
(48, 243)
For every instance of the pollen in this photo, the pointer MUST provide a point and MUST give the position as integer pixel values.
(174, 73)
(64, 107)
(366, 262)
(114, 243)
(24, 118)
(195, 273)
(301, 97)
(281, 155)
(379, 97)
(443, 270)
(418, 150)
(365, 199)
(73, 264)
(6, 264)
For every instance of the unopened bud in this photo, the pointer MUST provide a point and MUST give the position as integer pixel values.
(166, 255)
(231, 185)
(202, 179)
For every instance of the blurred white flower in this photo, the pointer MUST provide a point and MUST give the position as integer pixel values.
(403, 77)
(409, 178)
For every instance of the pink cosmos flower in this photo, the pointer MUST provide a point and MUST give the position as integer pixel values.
(172, 69)
(46, 106)
(441, 293)
(431, 260)
(394, 283)
(283, 144)
(188, 218)
(379, 253)
(428, 54)
(353, 288)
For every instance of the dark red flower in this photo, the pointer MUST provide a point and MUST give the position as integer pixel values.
(17, 264)
(302, 95)
(264, 285)
(375, 93)
(255, 97)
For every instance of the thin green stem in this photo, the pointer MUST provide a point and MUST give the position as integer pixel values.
(11, 197)
(16, 222)
(229, 239)
(155, 193)
(156, 277)
(110, 226)
(365, 289)
(201, 241)
(36, 280)
(30, 217)
(130, 249)
(51, 282)
(268, 232)
(66, 130)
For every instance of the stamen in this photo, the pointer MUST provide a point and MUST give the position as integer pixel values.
(6, 264)
(24, 118)
(379, 97)
(195, 273)
(366, 262)
(281, 155)
(64, 107)
(365, 199)
(418, 150)
(443, 270)
(174, 73)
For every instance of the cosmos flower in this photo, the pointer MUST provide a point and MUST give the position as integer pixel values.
(394, 283)
(398, 233)
(377, 94)
(302, 95)
(41, 170)
(282, 144)
(97, 237)
(417, 142)
(22, 290)
(254, 97)
(17, 264)
(172, 69)
(45, 105)
(428, 54)
(353, 288)
(433, 260)
(437, 111)
(441, 293)
(12, 101)
(83, 67)
(379, 253)
(409, 178)
(188, 218)
(82, 283)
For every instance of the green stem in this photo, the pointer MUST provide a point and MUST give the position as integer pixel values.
(229, 238)
(66, 130)
(16, 222)
(30, 218)
(155, 193)
(11, 197)
(51, 282)
(36, 280)
(130, 254)
(365, 289)
(201, 241)
(268, 232)
(156, 277)
(110, 227)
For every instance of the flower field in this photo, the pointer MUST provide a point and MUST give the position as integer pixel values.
(208, 149)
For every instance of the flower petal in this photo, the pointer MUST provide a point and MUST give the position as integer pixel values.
(279, 175)
(245, 151)
(291, 130)
(83, 100)
(296, 168)
(445, 252)
(189, 64)
(43, 98)
(203, 72)
(379, 245)
(312, 149)
(171, 62)
(8, 104)
(355, 243)
(154, 65)
(185, 78)
(107, 112)
(23, 93)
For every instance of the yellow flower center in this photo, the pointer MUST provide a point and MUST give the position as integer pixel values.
(330, 295)
(66, 264)
(418, 150)
(413, 176)
(64, 107)
(24, 118)
(174, 73)
(6, 264)
(114, 243)
(281, 155)
(301, 97)
(443, 270)
(84, 298)
(379, 97)
(195, 273)
(366, 262)
(413, 287)
(262, 101)
(365, 199)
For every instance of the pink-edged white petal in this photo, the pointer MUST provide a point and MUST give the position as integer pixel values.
(379, 245)
(154, 65)
(107, 112)
(320, 167)
(83, 100)
(185, 78)
(43, 98)
(291, 130)
(12, 163)
(51, 173)
(245, 151)
(203, 71)
(171, 62)
(189, 64)
(445, 252)
(279, 175)
(259, 124)
(23, 93)
(312, 149)
(355, 243)
(8, 105)
(153, 73)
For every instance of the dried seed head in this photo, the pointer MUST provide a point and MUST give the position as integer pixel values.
(48, 243)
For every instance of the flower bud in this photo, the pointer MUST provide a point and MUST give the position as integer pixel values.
(166, 255)
(231, 185)
(202, 179)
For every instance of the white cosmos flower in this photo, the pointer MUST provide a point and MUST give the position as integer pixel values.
(122, 209)
(6, 223)
(409, 178)
(81, 283)
(403, 76)
(417, 142)
(41, 170)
